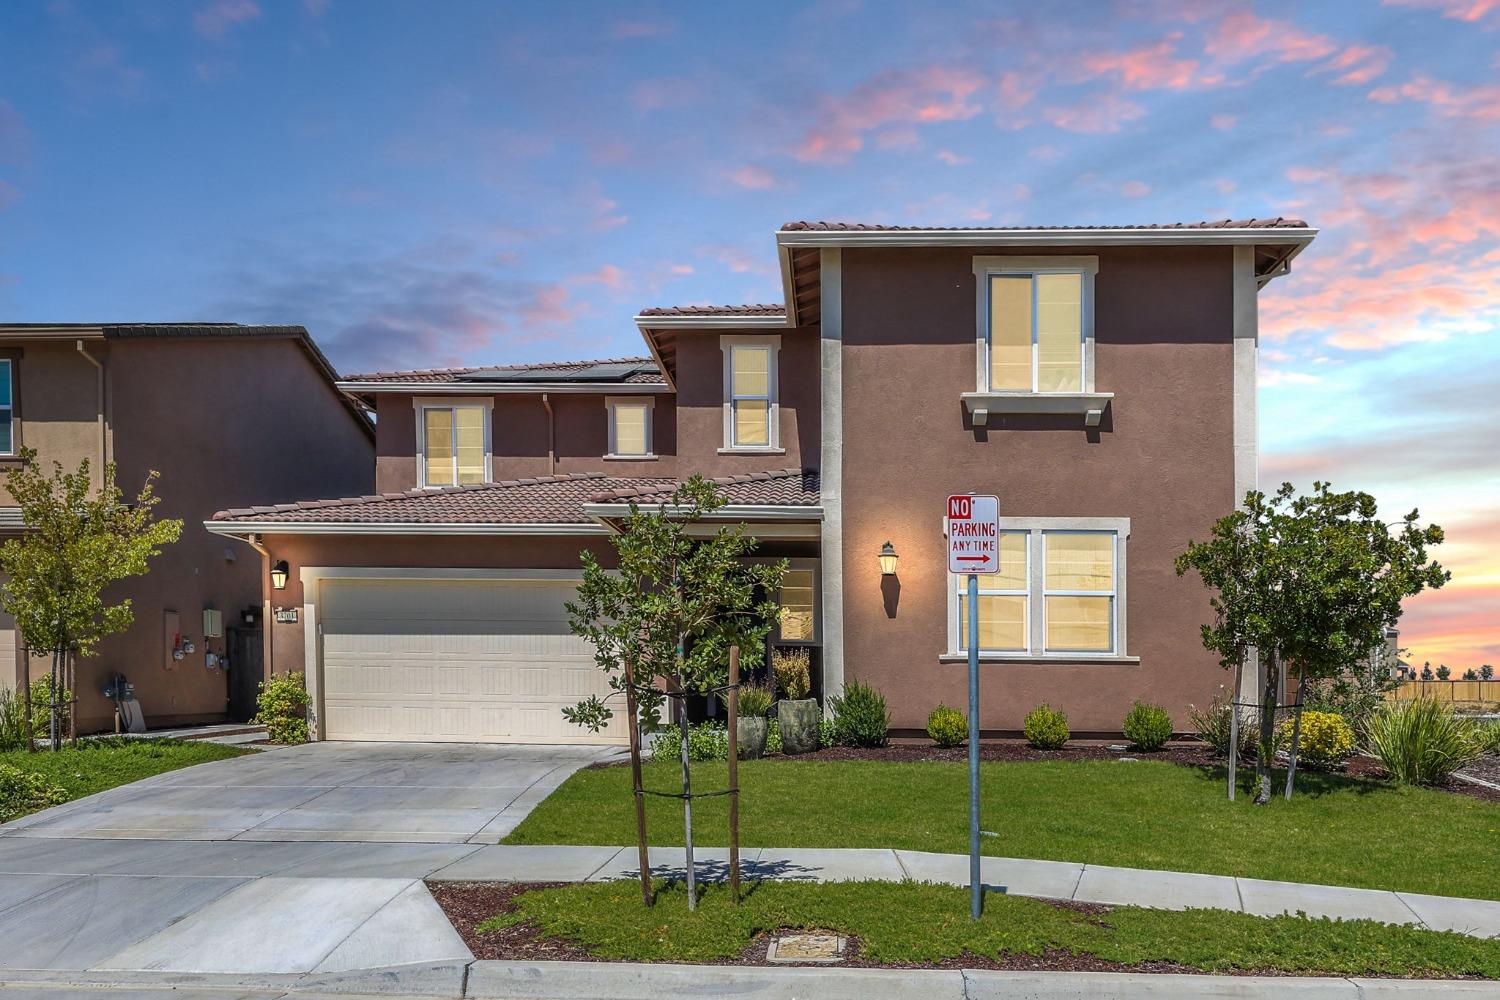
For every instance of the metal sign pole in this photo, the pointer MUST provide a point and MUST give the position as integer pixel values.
(976, 886)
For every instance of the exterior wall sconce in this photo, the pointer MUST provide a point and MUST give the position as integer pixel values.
(888, 559)
(279, 575)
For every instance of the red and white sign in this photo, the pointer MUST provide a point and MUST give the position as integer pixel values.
(973, 534)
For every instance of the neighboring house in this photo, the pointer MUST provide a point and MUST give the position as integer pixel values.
(1100, 381)
(221, 412)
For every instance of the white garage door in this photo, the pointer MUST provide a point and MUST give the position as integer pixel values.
(455, 661)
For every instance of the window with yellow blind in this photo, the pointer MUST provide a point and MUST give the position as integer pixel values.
(1059, 593)
(750, 405)
(454, 445)
(795, 615)
(1003, 600)
(1078, 588)
(629, 427)
(1035, 332)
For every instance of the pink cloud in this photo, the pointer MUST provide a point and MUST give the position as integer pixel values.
(550, 307)
(1460, 10)
(754, 177)
(220, 16)
(1241, 35)
(1223, 122)
(626, 30)
(607, 275)
(1106, 114)
(604, 214)
(1479, 103)
(889, 100)
(1359, 64)
(1152, 67)
(1226, 186)
(1135, 189)
(653, 95)
(952, 159)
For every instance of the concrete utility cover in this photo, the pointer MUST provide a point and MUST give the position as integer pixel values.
(807, 948)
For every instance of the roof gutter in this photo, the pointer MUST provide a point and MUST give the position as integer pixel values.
(237, 529)
(1042, 237)
(729, 512)
(506, 388)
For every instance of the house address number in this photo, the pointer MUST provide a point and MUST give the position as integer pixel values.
(285, 616)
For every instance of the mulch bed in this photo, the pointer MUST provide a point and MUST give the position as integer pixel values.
(468, 904)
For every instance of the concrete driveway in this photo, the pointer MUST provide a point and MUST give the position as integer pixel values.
(365, 792)
(293, 861)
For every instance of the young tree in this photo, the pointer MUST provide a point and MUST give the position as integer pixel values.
(1486, 672)
(1313, 581)
(77, 542)
(666, 619)
(1443, 673)
(1471, 674)
(1427, 671)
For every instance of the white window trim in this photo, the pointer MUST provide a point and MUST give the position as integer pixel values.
(1037, 527)
(9, 409)
(613, 403)
(425, 403)
(727, 344)
(984, 400)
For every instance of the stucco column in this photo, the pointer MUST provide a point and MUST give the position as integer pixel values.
(831, 470)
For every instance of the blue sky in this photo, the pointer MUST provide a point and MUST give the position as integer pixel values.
(432, 184)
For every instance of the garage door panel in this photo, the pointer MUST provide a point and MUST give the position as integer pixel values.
(454, 661)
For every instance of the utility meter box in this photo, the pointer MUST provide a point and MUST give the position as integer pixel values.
(213, 623)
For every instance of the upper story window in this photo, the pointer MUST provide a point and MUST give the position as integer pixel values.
(750, 393)
(453, 442)
(1059, 591)
(1035, 337)
(629, 426)
(7, 407)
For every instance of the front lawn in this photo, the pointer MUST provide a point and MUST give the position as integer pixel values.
(99, 764)
(926, 924)
(1145, 814)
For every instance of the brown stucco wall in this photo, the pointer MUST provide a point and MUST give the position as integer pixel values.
(226, 422)
(1163, 458)
(57, 402)
(406, 552)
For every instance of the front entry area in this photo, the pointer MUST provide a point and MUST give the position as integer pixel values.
(454, 660)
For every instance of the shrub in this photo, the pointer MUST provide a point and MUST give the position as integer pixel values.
(12, 722)
(26, 791)
(1324, 741)
(755, 699)
(827, 733)
(1046, 728)
(1147, 727)
(860, 718)
(1488, 736)
(773, 737)
(792, 666)
(1422, 741)
(947, 726)
(706, 741)
(41, 706)
(1212, 726)
(282, 708)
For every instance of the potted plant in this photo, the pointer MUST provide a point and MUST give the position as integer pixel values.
(755, 702)
(796, 713)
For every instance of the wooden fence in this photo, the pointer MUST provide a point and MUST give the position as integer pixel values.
(1458, 692)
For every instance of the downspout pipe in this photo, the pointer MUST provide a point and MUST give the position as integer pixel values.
(257, 542)
(103, 424)
(551, 436)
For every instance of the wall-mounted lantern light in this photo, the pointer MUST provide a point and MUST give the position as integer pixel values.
(888, 559)
(279, 574)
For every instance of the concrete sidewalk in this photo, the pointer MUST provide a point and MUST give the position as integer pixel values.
(1046, 879)
(624, 981)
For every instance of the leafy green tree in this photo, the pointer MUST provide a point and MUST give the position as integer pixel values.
(1443, 673)
(78, 542)
(1471, 674)
(667, 617)
(1427, 671)
(1313, 581)
(1486, 672)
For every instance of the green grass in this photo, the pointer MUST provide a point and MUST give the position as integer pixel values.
(1148, 814)
(96, 765)
(923, 923)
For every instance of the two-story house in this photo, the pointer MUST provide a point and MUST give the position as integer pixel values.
(1099, 381)
(221, 412)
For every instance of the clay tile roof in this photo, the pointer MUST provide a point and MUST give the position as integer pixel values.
(561, 368)
(781, 488)
(752, 309)
(541, 500)
(1279, 222)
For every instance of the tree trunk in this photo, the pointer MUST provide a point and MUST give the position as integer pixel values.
(642, 852)
(54, 733)
(26, 699)
(1267, 754)
(72, 686)
(1234, 723)
(687, 811)
(1291, 769)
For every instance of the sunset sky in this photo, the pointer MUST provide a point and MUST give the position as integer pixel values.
(429, 184)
